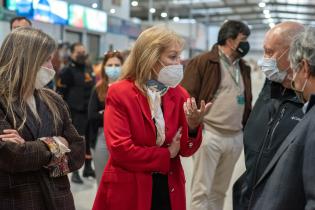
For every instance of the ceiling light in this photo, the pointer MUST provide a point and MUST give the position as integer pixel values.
(94, 5)
(152, 10)
(112, 11)
(134, 3)
(268, 16)
(262, 4)
(163, 14)
(176, 19)
(271, 25)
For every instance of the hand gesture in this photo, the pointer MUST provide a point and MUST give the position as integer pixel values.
(12, 136)
(175, 145)
(194, 116)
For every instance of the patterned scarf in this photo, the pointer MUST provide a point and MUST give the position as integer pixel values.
(155, 91)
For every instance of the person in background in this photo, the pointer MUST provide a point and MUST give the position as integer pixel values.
(288, 180)
(39, 145)
(75, 84)
(97, 69)
(277, 109)
(149, 122)
(19, 21)
(111, 69)
(223, 77)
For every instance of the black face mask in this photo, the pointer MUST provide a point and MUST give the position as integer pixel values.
(242, 48)
(80, 59)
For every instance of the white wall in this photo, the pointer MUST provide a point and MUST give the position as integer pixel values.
(119, 42)
(256, 40)
(54, 31)
(201, 38)
(213, 32)
(5, 29)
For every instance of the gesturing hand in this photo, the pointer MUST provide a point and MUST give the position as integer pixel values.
(12, 136)
(175, 145)
(194, 116)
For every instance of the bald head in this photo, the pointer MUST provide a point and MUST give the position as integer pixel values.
(282, 34)
(277, 42)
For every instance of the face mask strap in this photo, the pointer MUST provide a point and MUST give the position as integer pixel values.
(282, 54)
(303, 88)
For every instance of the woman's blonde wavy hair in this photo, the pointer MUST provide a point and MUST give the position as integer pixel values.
(22, 53)
(146, 53)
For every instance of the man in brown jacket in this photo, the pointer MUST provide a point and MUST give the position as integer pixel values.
(222, 77)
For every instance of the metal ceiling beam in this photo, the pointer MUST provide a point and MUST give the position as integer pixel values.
(251, 21)
(272, 12)
(185, 14)
(162, 3)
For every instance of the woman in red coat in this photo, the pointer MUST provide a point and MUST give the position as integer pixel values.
(149, 122)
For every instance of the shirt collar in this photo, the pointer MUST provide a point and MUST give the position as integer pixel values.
(304, 108)
(226, 58)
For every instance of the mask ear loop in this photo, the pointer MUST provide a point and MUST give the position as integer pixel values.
(280, 58)
(155, 71)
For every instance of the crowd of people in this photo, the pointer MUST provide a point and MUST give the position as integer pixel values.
(140, 113)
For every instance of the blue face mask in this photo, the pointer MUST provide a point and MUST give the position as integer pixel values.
(113, 72)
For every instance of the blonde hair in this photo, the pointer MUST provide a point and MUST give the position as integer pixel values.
(22, 53)
(146, 53)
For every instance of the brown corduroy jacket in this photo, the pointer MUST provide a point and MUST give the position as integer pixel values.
(202, 78)
(24, 181)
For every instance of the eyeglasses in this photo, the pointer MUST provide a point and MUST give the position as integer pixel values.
(112, 53)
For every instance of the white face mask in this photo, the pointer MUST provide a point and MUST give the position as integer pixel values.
(43, 77)
(269, 67)
(171, 75)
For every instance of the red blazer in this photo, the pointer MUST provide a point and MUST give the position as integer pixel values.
(130, 136)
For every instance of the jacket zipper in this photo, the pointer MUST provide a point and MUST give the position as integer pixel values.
(256, 165)
(260, 154)
(275, 127)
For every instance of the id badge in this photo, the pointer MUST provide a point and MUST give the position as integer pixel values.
(240, 99)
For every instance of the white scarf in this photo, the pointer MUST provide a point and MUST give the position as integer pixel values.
(157, 114)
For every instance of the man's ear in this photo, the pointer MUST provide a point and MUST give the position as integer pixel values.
(305, 68)
(230, 43)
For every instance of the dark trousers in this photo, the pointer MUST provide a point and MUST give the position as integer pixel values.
(80, 122)
(160, 193)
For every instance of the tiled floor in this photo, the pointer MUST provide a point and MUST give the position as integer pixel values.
(84, 194)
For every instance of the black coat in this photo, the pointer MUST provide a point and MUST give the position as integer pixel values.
(75, 84)
(95, 117)
(288, 182)
(275, 114)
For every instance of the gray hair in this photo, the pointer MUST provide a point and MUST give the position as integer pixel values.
(303, 47)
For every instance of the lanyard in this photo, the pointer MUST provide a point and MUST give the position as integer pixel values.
(236, 77)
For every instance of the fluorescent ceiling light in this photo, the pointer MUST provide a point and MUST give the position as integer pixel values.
(152, 10)
(134, 3)
(163, 14)
(176, 19)
(94, 5)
